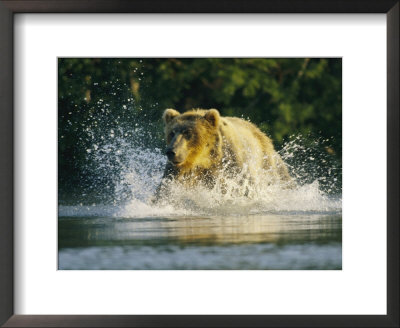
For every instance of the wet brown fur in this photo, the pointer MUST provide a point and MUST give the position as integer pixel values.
(214, 143)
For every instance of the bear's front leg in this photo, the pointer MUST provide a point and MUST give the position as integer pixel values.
(169, 175)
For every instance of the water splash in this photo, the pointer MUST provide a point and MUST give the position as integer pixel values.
(135, 168)
(311, 159)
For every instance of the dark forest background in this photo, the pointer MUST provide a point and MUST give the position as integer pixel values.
(285, 97)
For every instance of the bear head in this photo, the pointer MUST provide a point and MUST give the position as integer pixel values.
(191, 137)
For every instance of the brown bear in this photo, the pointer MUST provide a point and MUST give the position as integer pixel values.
(203, 146)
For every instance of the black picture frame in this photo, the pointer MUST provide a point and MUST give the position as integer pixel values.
(10, 7)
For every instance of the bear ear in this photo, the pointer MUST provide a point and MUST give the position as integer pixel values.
(212, 116)
(169, 114)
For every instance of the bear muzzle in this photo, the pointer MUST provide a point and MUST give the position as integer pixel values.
(173, 157)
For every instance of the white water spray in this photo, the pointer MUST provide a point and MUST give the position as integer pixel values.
(137, 171)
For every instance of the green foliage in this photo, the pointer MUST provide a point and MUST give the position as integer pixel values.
(283, 96)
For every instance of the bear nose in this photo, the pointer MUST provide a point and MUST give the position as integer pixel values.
(170, 153)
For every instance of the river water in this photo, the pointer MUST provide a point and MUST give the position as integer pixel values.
(93, 237)
(249, 227)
